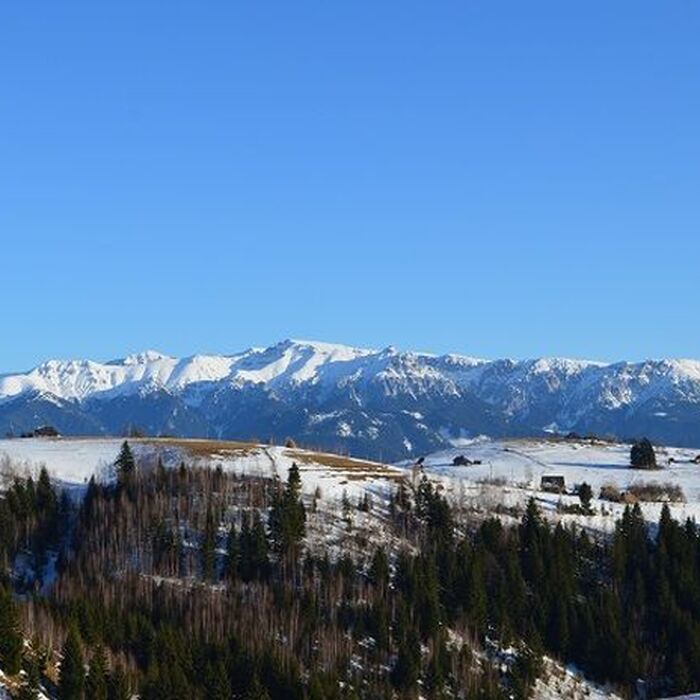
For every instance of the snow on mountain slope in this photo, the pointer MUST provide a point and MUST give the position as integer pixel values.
(373, 397)
(286, 362)
(297, 362)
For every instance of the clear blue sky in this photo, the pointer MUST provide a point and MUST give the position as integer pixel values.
(493, 178)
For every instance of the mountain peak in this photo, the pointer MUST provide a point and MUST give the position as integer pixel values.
(143, 358)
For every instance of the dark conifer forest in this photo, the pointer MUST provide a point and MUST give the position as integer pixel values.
(198, 583)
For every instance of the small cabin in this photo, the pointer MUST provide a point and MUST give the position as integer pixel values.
(41, 431)
(46, 431)
(553, 483)
(461, 461)
(696, 460)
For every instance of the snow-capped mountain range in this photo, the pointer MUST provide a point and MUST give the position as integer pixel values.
(380, 403)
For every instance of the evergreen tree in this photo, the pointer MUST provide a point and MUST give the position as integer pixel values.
(29, 689)
(526, 670)
(10, 634)
(406, 670)
(232, 553)
(118, 685)
(216, 682)
(438, 666)
(288, 516)
(96, 681)
(253, 559)
(379, 569)
(259, 548)
(346, 509)
(256, 690)
(209, 548)
(585, 494)
(46, 501)
(125, 465)
(161, 473)
(246, 568)
(642, 455)
(72, 674)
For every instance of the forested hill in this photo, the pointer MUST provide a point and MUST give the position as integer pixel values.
(193, 582)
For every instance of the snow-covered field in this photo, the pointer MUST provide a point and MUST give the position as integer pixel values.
(510, 470)
(74, 460)
(597, 463)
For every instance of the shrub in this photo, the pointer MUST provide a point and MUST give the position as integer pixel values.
(572, 509)
(655, 492)
(610, 492)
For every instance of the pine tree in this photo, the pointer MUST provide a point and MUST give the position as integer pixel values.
(10, 634)
(216, 682)
(232, 553)
(256, 690)
(406, 670)
(245, 568)
(118, 685)
(642, 455)
(161, 474)
(288, 516)
(346, 509)
(47, 515)
(209, 547)
(379, 569)
(125, 465)
(294, 482)
(72, 675)
(259, 548)
(475, 593)
(253, 559)
(438, 666)
(585, 494)
(96, 681)
(29, 689)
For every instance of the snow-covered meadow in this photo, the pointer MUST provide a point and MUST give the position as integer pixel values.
(72, 461)
(509, 473)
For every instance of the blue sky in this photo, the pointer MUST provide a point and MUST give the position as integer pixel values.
(493, 178)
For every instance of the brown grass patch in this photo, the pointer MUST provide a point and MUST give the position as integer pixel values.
(205, 448)
(353, 469)
(334, 461)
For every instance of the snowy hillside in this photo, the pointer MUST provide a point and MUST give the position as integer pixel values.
(503, 473)
(384, 404)
(73, 461)
(508, 475)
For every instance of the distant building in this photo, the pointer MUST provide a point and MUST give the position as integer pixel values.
(696, 460)
(553, 483)
(461, 461)
(43, 431)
